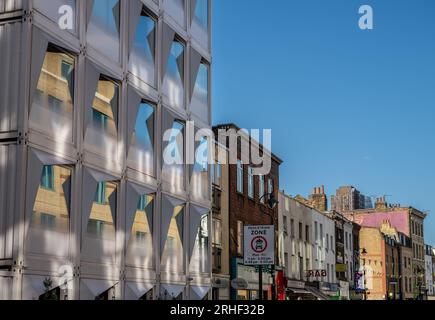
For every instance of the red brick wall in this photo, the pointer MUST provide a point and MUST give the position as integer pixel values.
(247, 210)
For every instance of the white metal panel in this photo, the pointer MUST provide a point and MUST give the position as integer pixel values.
(7, 185)
(135, 290)
(10, 46)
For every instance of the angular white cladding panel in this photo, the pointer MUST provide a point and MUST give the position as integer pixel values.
(135, 290)
(198, 293)
(10, 5)
(5, 288)
(91, 289)
(10, 46)
(8, 171)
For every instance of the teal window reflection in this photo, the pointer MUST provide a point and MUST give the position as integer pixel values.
(100, 195)
(47, 178)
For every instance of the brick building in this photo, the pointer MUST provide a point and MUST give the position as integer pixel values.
(249, 207)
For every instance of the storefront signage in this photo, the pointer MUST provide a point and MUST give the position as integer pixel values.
(316, 273)
(259, 245)
(239, 284)
(341, 267)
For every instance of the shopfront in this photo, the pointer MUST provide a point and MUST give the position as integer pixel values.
(245, 283)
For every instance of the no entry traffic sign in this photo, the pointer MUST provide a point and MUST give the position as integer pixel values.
(259, 245)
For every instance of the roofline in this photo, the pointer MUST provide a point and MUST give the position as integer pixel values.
(236, 127)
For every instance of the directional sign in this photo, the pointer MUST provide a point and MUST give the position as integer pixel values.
(259, 245)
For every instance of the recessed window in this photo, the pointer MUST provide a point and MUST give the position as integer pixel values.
(101, 222)
(217, 174)
(173, 253)
(141, 154)
(47, 178)
(200, 22)
(251, 182)
(199, 104)
(173, 158)
(200, 176)
(103, 29)
(261, 191)
(199, 261)
(217, 232)
(140, 247)
(173, 84)
(143, 53)
(239, 176)
(102, 131)
(51, 112)
(50, 215)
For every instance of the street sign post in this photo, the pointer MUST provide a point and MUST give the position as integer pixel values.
(259, 245)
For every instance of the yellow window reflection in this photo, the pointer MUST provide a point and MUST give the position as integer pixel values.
(49, 227)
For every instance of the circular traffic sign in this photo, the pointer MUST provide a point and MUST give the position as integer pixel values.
(259, 244)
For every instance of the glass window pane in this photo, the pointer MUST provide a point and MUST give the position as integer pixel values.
(102, 135)
(201, 14)
(103, 28)
(200, 23)
(52, 108)
(173, 159)
(173, 253)
(100, 232)
(251, 182)
(239, 176)
(141, 154)
(49, 226)
(261, 188)
(173, 84)
(140, 247)
(200, 177)
(176, 9)
(199, 103)
(142, 58)
(200, 258)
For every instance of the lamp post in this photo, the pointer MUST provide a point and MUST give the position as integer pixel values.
(271, 203)
(363, 253)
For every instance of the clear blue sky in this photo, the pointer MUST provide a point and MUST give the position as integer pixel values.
(346, 106)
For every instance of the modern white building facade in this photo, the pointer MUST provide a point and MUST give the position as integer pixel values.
(94, 95)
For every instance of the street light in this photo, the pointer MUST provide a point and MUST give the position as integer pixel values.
(364, 252)
(271, 203)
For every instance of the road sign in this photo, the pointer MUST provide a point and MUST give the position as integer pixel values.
(259, 245)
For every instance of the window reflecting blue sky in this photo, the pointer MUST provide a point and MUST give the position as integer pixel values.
(145, 127)
(201, 13)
